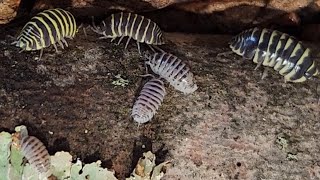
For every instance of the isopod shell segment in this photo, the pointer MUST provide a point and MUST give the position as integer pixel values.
(36, 154)
(134, 26)
(47, 28)
(149, 101)
(278, 50)
(174, 70)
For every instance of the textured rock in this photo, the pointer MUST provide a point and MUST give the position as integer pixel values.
(8, 10)
(210, 6)
(128, 5)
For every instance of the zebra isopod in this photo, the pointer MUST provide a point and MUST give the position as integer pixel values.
(149, 100)
(47, 28)
(275, 49)
(135, 26)
(36, 154)
(174, 70)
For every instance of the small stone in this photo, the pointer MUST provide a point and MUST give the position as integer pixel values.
(6, 53)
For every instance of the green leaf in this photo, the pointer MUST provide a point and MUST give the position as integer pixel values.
(5, 142)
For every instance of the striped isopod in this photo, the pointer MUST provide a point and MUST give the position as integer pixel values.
(36, 154)
(274, 49)
(174, 70)
(149, 100)
(137, 27)
(48, 27)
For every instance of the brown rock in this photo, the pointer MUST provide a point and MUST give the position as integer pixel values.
(128, 5)
(8, 10)
(288, 5)
(210, 6)
(317, 2)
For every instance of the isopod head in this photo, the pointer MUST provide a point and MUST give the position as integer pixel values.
(21, 44)
(244, 44)
(104, 28)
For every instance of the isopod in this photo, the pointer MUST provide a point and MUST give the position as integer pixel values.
(134, 26)
(47, 28)
(275, 49)
(149, 101)
(36, 154)
(172, 69)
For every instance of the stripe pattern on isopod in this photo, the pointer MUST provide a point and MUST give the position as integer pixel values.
(278, 50)
(36, 154)
(149, 101)
(174, 70)
(47, 28)
(134, 26)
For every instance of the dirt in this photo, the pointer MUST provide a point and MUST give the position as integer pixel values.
(235, 126)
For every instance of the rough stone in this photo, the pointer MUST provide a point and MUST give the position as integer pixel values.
(210, 6)
(228, 129)
(8, 10)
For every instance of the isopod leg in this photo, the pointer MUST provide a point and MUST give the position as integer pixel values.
(120, 40)
(317, 91)
(41, 53)
(61, 44)
(225, 53)
(127, 43)
(65, 42)
(55, 47)
(156, 47)
(147, 75)
(138, 47)
(151, 48)
(112, 39)
(265, 73)
(85, 31)
(103, 37)
(258, 65)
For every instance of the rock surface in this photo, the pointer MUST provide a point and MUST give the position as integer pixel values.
(8, 10)
(235, 126)
(210, 6)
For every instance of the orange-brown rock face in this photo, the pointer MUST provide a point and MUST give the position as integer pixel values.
(128, 5)
(8, 10)
(210, 6)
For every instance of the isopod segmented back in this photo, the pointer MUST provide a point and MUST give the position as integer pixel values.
(149, 101)
(174, 70)
(134, 26)
(36, 154)
(47, 28)
(275, 49)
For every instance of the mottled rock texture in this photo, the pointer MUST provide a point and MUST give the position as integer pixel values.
(235, 126)
(210, 6)
(8, 10)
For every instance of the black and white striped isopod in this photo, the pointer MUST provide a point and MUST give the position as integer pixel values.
(137, 27)
(149, 100)
(36, 154)
(174, 70)
(47, 28)
(274, 49)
